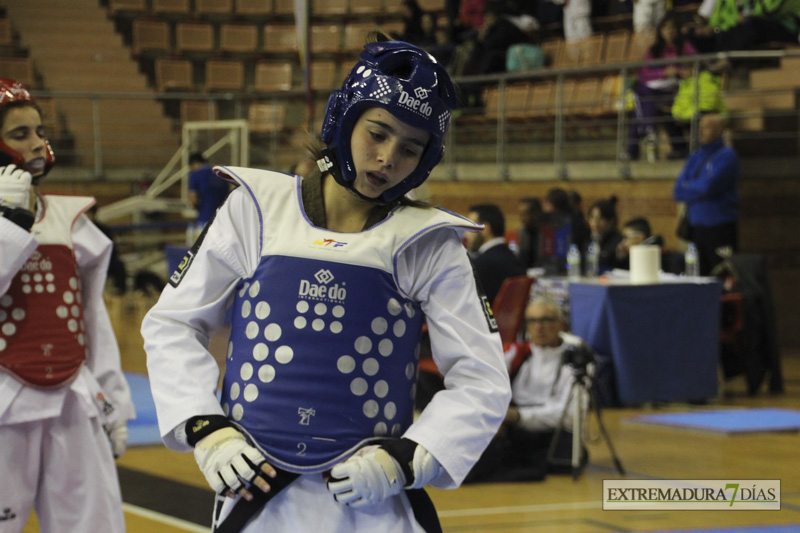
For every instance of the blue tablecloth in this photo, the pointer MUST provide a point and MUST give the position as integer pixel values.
(663, 339)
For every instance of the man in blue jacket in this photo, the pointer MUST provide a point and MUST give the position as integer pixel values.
(708, 185)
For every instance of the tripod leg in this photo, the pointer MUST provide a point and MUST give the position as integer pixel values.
(551, 452)
(596, 408)
(577, 428)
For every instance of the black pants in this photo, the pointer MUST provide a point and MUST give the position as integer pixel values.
(520, 455)
(710, 239)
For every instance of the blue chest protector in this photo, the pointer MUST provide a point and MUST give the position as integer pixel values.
(324, 346)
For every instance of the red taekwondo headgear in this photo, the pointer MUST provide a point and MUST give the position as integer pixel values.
(14, 91)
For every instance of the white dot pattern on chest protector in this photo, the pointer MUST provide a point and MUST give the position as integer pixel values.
(364, 366)
(370, 366)
(70, 310)
(260, 351)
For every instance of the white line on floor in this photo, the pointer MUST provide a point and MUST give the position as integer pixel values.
(520, 509)
(164, 519)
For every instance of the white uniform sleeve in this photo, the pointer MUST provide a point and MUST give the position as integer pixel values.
(183, 374)
(546, 417)
(459, 422)
(16, 246)
(92, 253)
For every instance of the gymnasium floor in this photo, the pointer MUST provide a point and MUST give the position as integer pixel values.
(164, 491)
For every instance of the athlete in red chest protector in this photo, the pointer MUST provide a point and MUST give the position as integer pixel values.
(64, 402)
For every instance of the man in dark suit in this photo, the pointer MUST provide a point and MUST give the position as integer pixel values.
(493, 260)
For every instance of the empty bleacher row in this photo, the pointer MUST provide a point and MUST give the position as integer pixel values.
(259, 8)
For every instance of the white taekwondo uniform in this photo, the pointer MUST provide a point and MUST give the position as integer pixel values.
(60, 374)
(323, 355)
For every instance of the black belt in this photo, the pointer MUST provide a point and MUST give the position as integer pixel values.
(243, 511)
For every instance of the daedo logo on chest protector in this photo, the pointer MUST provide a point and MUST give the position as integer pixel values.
(322, 290)
(416, 104)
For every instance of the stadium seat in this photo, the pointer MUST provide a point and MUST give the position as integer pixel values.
(509, 306)
(326, 38)
(355, 35)
(253, 7)
(18, 68)
(150, 35)
(238, 38)
(194, 37)
(213, 7)
(122, 6)
(263, 117)
(273, 76)
(224, 75)
(6, 38)
(364, 7)
(280, 38)
(638, 45)
(329, 7)
(324, 75)
(174, 74)
(284, 7)
(198, 110)
(617, 46)
(178, 7)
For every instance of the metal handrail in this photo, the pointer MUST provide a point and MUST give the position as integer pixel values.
(503, 81)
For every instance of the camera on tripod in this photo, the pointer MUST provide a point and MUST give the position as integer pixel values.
(579, 357)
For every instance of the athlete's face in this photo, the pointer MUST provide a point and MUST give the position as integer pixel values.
(385, 151)
(22, 131)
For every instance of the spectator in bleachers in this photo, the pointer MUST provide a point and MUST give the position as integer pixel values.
(493, 260)
(498, 32)
(436, 40)
(577, 20)
(635, 231)
(206, 193)
(603, 224)
(527, 241)
(726, 25)
(655, 90)
(412, 22)
(648, 14)
(559, 227)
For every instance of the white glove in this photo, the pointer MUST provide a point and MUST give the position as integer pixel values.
(371, 475)
(118, 435)
(366, 478)
(227, 460)
(15, 187)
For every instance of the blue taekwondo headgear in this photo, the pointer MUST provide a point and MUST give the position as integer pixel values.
(406, 81)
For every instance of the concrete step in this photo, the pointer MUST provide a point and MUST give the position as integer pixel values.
(774, 78)
(751, 100)
(790, 63)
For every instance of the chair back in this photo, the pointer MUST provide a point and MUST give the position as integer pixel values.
(509, 306)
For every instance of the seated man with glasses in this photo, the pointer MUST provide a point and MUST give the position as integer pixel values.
(541, 380)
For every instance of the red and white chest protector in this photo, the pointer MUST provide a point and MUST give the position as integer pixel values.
(42, 335)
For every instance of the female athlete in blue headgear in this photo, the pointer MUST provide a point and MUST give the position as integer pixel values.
(330, 279)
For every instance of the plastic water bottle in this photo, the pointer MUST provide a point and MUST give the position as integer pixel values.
(592, 257)
(650, 147)
(692, 261)
(574, 262)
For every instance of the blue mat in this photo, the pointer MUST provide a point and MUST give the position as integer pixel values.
(729, 420)
(143, 431)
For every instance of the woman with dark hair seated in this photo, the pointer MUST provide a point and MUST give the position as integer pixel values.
(603, 224)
